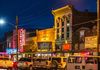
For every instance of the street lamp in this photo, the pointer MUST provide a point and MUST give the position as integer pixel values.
(17, 36)
(98, 30)
(2, 21)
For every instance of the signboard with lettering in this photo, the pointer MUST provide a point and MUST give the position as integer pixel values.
(21, 39)
(66, 47)
(91, 42)
(11, 51)
(44, 45)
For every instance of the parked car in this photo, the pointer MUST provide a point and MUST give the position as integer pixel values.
(81, 62)
(40, 63)
(61, 61)
(6, 63)
(24, 63)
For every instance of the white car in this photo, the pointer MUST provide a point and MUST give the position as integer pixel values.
(25, 63)
(40, 63)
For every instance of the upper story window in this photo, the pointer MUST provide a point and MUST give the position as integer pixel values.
(62, 29)
(57, 36)
(57, 24)
(57, 30)
(68, 29)
(62, 36)
(68, 32)
(62, 23)
(57, 21)
(68, 19)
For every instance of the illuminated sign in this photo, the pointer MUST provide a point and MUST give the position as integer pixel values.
(66, 47)
(44, 45)
(45, 35)
(21, 39)
(11, 51)
(91, 42)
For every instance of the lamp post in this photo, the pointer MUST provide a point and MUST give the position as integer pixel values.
(2, 21)
(98, 24)
(17, 37)
(98, 30)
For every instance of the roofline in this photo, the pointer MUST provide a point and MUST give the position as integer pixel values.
(56, 10)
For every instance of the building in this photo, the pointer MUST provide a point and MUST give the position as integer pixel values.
(84, 26)
(69, 26)
(46, 40)
(62, 25)
(30, 40)
(12, 40)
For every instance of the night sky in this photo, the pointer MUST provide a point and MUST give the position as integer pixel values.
(36, 14)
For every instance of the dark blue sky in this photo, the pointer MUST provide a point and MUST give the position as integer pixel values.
(36, 14)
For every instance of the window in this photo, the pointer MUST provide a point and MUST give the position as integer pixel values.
(78, 60)
(67, 28)
(67, 19)
(25, 59)
(75, 59)
(57, 30)
(57, 59)
(68, 31)
(71, 60)
(57, 36)
(57, 24)
(91, 60)
(62, 36)
(62, 29)
(77, 67)
(64, 59)
(67, 34)
(62, 23)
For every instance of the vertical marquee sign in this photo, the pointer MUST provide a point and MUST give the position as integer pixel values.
(21, 39)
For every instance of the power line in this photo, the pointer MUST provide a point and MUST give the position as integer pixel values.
(60, 3)
(86, 22)
(15, 35)
(31, 17)
(30, 7)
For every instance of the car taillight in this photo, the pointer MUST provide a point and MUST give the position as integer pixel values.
(14, 64)
(26, 63)
(47, 63)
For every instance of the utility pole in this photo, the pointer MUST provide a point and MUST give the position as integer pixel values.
(98, 24)
(98, 30)
(17, 37)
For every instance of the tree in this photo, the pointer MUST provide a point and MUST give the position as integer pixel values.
(30, 47)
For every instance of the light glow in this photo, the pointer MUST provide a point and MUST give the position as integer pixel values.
(2, 21)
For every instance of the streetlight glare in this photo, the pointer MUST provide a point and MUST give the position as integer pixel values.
(2, 21)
